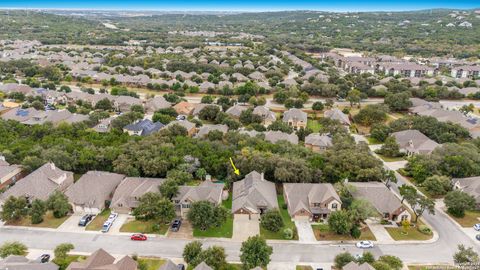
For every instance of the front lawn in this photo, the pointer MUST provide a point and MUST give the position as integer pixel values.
(470, 218)
(63, 264)
(224, 231)
(323, 232)
(140, 226)
(412, 233)
(49, 221)
(390, 159)
(314, 125)
(303, 267)
(97, 223)
(150, 263)
(287, 221)
(373, 141)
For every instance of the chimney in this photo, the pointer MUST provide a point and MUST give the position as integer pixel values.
(2, 158)
(52, 165)
(262, 176)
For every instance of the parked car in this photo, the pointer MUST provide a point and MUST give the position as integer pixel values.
(181, 266)
(138, 237)
(364, 244)
(112, 217)
(176, 225)
(181, 117)
(477, 237)
(44, 258)
(85, 220)
(106, 226)
(476, 227)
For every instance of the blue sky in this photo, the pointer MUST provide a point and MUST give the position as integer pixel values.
(242, 5)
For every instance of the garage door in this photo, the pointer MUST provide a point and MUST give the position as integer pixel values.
(302, 218)
(241, 216)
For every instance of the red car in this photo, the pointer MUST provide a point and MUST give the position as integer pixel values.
(139, 237)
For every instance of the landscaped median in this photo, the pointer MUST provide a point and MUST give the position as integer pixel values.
(323, 232)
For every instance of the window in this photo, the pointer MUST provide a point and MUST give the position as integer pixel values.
(386, 215)
(185, 205)
(334, 205)
(317, 204)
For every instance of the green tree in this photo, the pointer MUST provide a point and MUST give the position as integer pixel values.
(37, 211)
(380, 132)
(207, 99)
(169, 189)
(38, 105)
(58, 203)
(214, 257)
(360, 210)
(13, 248)
(367, 257)
(465, 109)
(204, 215)
(104, 104)
(354, 97)
(191, 251)
(465, 255)
(343, 259)
(14, 209)
(457, 202)
(398, 101)
(317, 106)
(437, 184)
(272, 220)
(390, 148)
(61, 251)
(407, 192)
(255, 252)
(153, 206)
(340, 222)
(420, 204)
(370, 114)
(394, 262)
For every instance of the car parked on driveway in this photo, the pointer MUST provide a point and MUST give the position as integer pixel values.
(477, 237)
(85, 220)
(476, 227)
(364, 244)
(138, 237)
(176, 225)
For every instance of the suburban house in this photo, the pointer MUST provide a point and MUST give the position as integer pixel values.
(205, 129)
(124, 103)
(127, 195)
(469, 185)
(9, 174)
(19, 114)
(412, 142)
(14, 262)
(157, 103)
(40, 184)
(386, 203)
(169, 265)
(93, 191)
(184, 108)
(236, 110)
(253, 196)
(203, 266)
(206, 191)
(313, 202)
(295, 118)
(318, 142)
(336, 114)
(357, 266)
(189, 126)
(143, 127)
(277, 136)
(267, 115)
(104, 125)
(102, 260)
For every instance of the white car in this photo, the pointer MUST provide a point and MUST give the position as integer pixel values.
(477, 227)
(112, 217)
(364, 244)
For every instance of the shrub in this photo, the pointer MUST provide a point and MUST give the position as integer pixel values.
(272, 221)
(288, 233)
(355, 232)
(425, 229)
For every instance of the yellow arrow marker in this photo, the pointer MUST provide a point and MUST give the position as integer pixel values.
(235, 170)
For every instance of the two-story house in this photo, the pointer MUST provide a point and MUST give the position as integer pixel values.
(9, 174)
(206, 191)
(313, 202)
(295, 118)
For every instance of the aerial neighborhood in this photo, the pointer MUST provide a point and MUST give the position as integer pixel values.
(310, 141)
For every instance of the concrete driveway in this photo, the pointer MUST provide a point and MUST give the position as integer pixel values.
(305, 232)
(71, 224)
(380, 232)
(121, 219)
(243, 227)
(185, 231)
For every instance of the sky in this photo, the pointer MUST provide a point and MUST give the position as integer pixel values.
(242, 5)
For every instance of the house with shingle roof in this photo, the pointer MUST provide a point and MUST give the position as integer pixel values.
(253, 196)
(318, 142)
(130, 190)
(386, 203)
(203, 266)
(143, 127)
(469, 185)
(184, 108)
(412, 141)
(206, 191)
(9, 174)
(336, 114)
(205, 129)
(157, 103)
(357, 266)
(189, 126)
(40, 184)
(236, 110)
(19, 114)
(14, 262)
(268, 116)
(309, 201)
(169, 265)
(295, 118)
(124, 103)
(102, 260)
(93, 191)
(277, 136)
